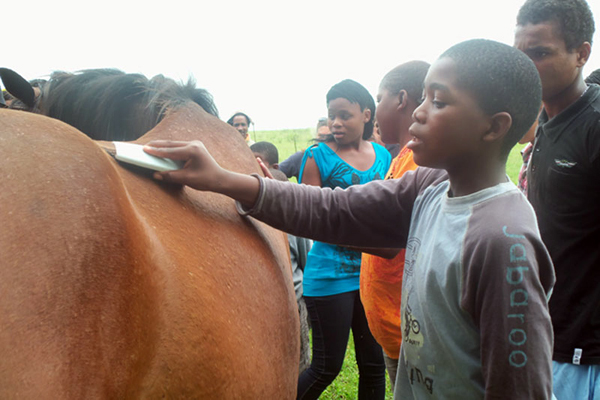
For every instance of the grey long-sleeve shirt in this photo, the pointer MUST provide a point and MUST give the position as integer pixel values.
(476, 281)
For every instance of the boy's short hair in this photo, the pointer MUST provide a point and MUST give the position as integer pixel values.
(354, 92)
(408, 76)
(502, 79)
(574, 18)
(594, 77)
(268, 150)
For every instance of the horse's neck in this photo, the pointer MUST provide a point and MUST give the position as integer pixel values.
(184, 124)
(189, 122)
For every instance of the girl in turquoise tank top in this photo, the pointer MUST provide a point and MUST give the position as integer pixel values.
(331, 276)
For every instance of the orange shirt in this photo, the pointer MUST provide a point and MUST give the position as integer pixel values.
(381, 280)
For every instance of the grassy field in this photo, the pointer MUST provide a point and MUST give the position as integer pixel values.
(288, 142)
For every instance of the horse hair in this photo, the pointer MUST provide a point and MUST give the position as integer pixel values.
(108, 104)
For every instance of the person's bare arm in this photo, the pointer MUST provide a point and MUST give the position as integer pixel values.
(311, 174)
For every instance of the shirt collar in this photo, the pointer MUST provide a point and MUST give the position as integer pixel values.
(548, 127)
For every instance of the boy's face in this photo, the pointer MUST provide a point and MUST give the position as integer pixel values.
(387, 116)
(346, 120)
(449, 125)
(557, 66)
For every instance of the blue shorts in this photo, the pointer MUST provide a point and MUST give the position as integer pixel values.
(579, 382)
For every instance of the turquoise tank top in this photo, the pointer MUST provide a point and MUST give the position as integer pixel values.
(332, 269)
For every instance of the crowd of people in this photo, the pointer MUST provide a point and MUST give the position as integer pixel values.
(452, 279)
(455, 280)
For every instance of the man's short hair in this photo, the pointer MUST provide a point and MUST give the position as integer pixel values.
(574, 18)
(501, 79)
(268, 150)
(408, 76)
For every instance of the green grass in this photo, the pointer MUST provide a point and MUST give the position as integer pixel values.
(287, 141)
(514, 162)
(345, 386)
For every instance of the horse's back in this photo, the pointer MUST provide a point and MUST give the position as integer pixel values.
(115, 286)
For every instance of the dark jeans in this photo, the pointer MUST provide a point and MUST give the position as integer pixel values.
(331, 318)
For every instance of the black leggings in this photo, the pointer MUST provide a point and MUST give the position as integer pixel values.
(331, 318)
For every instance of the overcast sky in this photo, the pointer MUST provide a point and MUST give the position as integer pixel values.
(274, 60)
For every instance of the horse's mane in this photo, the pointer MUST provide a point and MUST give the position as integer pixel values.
(108, 104)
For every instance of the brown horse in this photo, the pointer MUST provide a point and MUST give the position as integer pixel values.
(113, 285)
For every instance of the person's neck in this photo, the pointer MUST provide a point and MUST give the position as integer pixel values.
(564, 99)
(474, 178)
(405, 122)
(348, 146)
(404, 135)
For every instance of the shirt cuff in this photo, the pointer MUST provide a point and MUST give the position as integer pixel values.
(259, 200)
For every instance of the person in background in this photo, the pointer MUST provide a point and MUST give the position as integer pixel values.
(299, 248)
(376, 136)
(563, 177)
(267, 152)
(399, 95)
(241, 122)
(331, 278)
(526, 155)
(594, 77)
(291, 165)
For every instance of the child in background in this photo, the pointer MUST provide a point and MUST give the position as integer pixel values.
(399, 95)
(331, 278)
(299, 248)
(477, 275)
(267, 152)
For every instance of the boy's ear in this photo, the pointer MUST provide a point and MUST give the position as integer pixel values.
(583, 53)
(402, 99)
(500, 124)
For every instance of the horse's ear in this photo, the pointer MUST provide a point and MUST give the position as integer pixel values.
(17, 86)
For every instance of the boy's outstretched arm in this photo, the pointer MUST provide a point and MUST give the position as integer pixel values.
(346, 217)
(202, 172)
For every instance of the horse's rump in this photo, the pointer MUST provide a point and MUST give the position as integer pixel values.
(114, 285)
